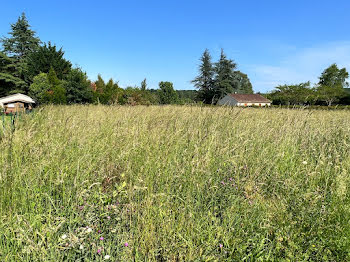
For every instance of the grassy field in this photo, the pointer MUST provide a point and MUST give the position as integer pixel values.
(175, 183)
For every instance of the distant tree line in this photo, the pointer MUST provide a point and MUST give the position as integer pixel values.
(40, 70)
(29, 66)
(332, 88)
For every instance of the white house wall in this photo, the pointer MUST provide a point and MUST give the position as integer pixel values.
(253, 104)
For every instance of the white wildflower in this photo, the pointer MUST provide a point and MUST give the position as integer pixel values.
(81, 247)
(304, 162)
(89, 230)
(107, 257)
(64, 236)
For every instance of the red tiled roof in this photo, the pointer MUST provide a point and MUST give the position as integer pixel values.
(250, 98)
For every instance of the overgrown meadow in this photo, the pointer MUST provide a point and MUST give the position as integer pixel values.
(175, 183)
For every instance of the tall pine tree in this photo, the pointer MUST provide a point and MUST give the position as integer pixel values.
(225, 77)
(22, 41)
(9, 80)
(20, 44)
(205, 80)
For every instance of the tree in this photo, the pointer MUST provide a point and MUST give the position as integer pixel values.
(298, 94)
(9, 80)
(334, 77)
(111, 92)
(21, 43)
(330, 94)
(45, 57)
(225, 77)
(204, 82)
(241, 83)
(56, 93)
(332, 83)
(167, 94)
(106, 93)
(144, 85)
(77, 87)
(39, 88)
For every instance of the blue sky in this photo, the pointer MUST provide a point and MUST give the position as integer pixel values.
(274, 42)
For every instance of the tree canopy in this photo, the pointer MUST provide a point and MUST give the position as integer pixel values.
(22, 40)
(45, 57)
(9, 79)
(167, 94)
(205, 80)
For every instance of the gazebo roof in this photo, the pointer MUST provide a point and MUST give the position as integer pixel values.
(16, 98)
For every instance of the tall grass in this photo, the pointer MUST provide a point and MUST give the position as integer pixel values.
(175, 183)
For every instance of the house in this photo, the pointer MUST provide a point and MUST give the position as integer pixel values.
(16, 103)
(244, 100)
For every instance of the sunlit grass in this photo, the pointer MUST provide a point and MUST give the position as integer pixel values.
(176, 183)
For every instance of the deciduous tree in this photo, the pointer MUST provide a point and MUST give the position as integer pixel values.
(167, 94)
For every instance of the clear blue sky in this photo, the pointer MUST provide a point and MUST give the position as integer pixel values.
(274, 42)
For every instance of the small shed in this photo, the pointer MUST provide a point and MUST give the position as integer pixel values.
(16, 103)
(244, 100)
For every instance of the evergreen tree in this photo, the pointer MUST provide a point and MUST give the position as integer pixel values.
(167, 94)
(106, 93)
(10, 82)
(21, 43)
(205, 80)
(225, 77)
(56, 94)
(77, 87)
(111, 92)
(45, 57)
(144, 85)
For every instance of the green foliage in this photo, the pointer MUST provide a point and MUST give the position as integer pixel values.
(330, 89)
(21, 43)
(77, 87)
(332, 83)
(109, 93)
(167, 94)
(241, 83)
(330, 94)
(187, 96)
(45, 57)
(334, 77)
(22, 40)
(56, 93)
(225, 77)
(9, 79)
(204, 82)
(144, 85)
(215, 81)
(299, 94)
(39, 88)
